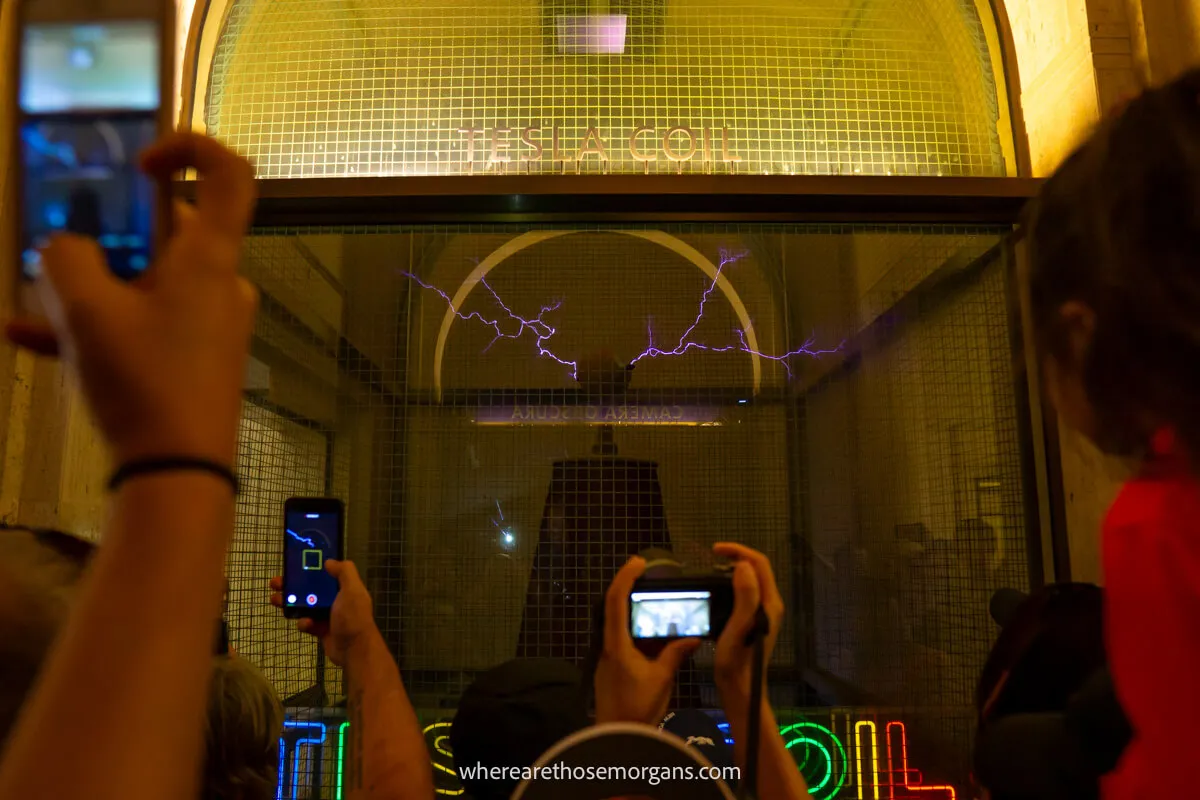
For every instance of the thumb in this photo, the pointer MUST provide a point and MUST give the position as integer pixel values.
(345, 572)
(673, 654)
(76, 276)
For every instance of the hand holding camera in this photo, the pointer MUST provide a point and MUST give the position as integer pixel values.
(753, 585)
(631, 685)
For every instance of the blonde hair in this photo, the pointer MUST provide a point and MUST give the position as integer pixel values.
(241, 736)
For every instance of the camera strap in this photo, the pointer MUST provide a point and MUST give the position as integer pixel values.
(757, 637)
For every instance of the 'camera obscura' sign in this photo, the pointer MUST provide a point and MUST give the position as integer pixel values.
(629, 414)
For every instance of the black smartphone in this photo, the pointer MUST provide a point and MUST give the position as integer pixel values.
(680, 607)
(94, 89)
(312, 533)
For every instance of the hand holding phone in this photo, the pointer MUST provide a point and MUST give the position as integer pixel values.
(312, 534)
(351, 625)
(94, 90)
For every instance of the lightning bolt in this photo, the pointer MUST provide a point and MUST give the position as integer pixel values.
(686, 344)
(300, 538)
(542, 331)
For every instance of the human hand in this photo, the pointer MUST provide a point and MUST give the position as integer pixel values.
(753, 583)
(351, 620)
(630, 686)
(162, 359)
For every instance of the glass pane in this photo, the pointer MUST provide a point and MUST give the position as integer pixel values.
(838, 397)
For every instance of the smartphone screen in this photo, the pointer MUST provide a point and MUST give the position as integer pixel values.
(311, 536)
(669, 615)
(89, 102)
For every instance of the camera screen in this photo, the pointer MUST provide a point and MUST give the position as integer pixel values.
(310, 538)
(89, 100)
(663, 615)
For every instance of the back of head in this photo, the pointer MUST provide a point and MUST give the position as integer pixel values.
(511, 715)
(1117, 229)
(39, 574)
(244, 722)
(1052, 641)
(37, 585)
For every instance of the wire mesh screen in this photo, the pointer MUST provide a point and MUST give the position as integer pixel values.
(510, 412)
(442, 87)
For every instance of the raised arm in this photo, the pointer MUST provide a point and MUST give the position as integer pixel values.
(162, 365)
(387, 759)
(754, 582)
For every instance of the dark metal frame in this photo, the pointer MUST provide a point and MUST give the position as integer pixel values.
(610, 198)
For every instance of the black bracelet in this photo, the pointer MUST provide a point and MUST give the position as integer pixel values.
(148, 466)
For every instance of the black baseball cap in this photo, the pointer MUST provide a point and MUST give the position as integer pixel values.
(700, 731)
(1051, 640)
(1005, 604)
(512, 714)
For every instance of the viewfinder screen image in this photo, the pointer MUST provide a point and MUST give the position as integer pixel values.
(660, 615)
(89, 100)
(309, 540)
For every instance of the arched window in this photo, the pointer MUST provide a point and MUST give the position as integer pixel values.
(313, 88)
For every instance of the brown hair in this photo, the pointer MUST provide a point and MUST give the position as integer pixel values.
(37, 586)
(39, 574)
(1118, 228)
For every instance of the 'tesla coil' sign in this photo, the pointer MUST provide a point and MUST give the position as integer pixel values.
(645, 144)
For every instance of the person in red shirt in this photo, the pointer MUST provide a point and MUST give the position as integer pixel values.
(1114, 291)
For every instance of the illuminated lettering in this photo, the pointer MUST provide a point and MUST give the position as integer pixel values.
(498, 156)
(680, 143)
(678, 413)
(538, 149)
(727, 154)
(441, 759)
(556, 412)
(819, 753)
(312, 736)
(556, 154)
(341, 758)
(623, 413)
(672, 153)
(592, 145)
(634, 152)
(665, 414)
(471, 134)
(825, 775)
(904, 771)
(592, 412)
(517, 414)
(609, 413)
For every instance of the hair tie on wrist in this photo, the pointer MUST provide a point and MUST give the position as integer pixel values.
(149, 466)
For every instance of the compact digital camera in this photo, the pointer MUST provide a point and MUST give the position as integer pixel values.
(681, 606)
